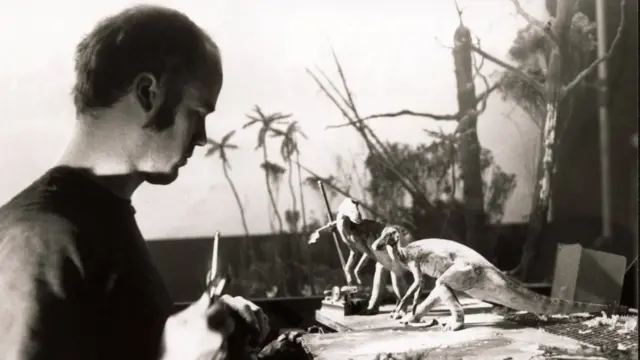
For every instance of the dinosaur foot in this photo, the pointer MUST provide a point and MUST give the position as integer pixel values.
(397, 314)
(411, 321)
(407, 319)
(452, 326)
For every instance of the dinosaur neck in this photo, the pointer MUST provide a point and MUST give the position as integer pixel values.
(399, 253)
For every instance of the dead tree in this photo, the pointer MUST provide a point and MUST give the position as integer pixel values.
(559, 79)
(469, 145)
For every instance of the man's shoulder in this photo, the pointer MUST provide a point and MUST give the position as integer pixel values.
(37, 233)
(31, 215)
(31, 229)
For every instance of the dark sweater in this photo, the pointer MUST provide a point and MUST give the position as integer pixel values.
(76, 277)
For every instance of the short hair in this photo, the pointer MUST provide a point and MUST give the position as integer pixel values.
(144, 38)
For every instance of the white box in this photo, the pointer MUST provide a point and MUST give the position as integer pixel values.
(587, 275)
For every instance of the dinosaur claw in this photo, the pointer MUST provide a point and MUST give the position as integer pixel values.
(452, 326)
(409, 318)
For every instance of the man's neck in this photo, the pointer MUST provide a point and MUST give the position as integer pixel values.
(104, 160)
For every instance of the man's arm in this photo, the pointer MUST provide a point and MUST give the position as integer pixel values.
(47, 309)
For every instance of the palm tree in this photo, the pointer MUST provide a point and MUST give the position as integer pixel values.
(289, 148)
(221, 149)
(274, 174)
(267, 122)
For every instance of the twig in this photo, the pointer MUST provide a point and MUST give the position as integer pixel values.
(381, 149)
(352, 122)
(437, 40)
(458, 11)
(535, 22)
(511, 68)
(405, 112)
(345, 102)
(584, 73)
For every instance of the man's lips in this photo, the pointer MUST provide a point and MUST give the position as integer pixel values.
(184, 161)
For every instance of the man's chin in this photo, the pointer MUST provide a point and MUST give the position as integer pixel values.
(161, 178)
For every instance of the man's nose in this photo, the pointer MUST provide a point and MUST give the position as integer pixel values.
(200, 136)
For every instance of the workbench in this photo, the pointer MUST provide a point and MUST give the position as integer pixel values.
(486, 336)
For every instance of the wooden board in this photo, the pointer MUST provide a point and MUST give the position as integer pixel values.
(485, 336)
(333, 317)
(477, 341)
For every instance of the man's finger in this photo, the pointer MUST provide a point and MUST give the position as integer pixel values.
(244, 309)
(219, 318)
(251, 313)
(200, 306)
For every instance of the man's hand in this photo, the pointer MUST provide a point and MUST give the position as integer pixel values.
(188, 334)
(220, 331)
(251, 326)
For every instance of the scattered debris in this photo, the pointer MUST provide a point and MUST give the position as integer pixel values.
(587, 353)
(617, 332)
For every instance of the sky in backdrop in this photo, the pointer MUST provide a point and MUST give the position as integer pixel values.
(395, 56)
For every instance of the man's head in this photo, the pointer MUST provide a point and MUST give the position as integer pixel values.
(351, 209)
(390, 236)
(148, 76)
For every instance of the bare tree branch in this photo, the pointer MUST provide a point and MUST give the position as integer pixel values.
(361, 128)
(584, 73)
(345, 101)
(458, 11)
(390, 162)
(330, 96)
(436, 117)
(483, 103)
(439, 42)
(535, 22)
(513, 69)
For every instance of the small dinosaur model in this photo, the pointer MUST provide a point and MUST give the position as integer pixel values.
(457, 267)
(359, 234)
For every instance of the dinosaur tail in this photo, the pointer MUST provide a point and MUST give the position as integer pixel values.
(510, 293)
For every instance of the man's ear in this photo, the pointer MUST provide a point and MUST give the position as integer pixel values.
(148, 92)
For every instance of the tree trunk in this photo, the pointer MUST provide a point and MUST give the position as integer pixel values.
(557, 69)
(294, 201)
(280, 270)
(469, 146)
(540, 200)
(249, 251)
(303, 215)
(294, 243)
(270, 192)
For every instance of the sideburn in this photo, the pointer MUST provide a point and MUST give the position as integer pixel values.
(166, 115)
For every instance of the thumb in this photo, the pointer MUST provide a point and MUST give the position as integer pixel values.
(202, 303)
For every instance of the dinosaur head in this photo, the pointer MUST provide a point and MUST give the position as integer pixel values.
(390, 236)
(351, 209)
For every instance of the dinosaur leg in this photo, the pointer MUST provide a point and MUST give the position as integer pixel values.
(359, 266)
(414, 290)
(378, 283)
(399, 287)
(348, 267)
(460, 276)
(421, 309)
(455, 308)
(444, 294)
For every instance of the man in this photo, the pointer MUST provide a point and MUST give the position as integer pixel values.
(76, 278)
